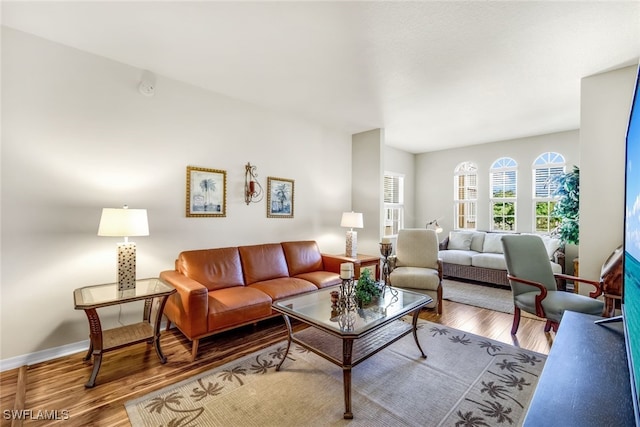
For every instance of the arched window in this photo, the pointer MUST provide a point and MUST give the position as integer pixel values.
(466, 195)
(504, 185)
(546, 168)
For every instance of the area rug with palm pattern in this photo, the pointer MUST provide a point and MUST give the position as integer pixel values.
(466, 380)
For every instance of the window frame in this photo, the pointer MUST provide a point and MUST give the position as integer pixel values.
(545, 161)
(465, 209)
(393, 206)
(500, 171)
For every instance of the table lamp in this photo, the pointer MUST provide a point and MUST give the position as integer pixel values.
(352, 220)
(124, 222)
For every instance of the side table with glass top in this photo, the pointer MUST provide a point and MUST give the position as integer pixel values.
(91, 298)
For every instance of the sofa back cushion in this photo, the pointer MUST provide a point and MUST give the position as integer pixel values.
(551, 244)
(213, 268)
(493, 243)
(302, 257)
(263, 262)
(460, 240)
(477, 241)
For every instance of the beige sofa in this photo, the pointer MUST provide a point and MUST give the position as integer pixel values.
(477, 256)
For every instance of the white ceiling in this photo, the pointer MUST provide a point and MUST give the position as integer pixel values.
(434, 75)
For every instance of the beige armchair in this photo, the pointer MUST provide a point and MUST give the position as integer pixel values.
(416, 266)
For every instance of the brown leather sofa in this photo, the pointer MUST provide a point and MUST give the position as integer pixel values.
(221, 289)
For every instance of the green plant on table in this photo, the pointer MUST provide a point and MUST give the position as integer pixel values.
(366, 288)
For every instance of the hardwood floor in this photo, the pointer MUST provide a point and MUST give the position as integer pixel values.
(126, 374)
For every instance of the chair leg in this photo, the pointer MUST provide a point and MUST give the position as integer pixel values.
(551, 326)
(439, 302)
(516, 320)
(168, 325)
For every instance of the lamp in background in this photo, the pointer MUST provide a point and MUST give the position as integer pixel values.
(433, 225)
(352, 220)
(125, 223)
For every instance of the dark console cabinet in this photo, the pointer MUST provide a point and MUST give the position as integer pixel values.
(585, 381)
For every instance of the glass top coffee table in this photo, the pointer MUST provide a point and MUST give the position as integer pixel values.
(348, 337)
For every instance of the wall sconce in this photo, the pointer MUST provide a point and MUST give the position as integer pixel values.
(433, 225)
(252, 189)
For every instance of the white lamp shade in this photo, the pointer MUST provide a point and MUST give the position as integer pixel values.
(352, 220)
(123, 222)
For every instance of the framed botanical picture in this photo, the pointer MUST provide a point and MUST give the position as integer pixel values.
(206, 192)
(279, 197)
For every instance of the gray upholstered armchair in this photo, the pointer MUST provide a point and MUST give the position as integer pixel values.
(534, 285)
(416, 265)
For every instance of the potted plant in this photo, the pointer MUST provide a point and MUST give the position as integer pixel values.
(567, 208)
(366, 289)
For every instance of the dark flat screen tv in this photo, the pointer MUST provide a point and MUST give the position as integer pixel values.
(631, 261)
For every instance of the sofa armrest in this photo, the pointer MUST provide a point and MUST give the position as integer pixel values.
(332, 262)
(188, 307)
(443, 245)
(559, 258)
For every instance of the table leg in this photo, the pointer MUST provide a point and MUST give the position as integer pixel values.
(89, 352)
(156, 327)
(415, 331)
(290, 335)
(347, 348)
(95, 330)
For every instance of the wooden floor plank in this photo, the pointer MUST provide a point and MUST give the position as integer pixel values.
(134, 371)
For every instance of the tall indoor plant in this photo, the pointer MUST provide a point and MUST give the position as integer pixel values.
(567, 208)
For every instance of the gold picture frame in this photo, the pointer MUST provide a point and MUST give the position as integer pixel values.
(206, 192)
(280, 197)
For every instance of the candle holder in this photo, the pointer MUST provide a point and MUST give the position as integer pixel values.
(347, 298)
(347, 320)
(385, 250)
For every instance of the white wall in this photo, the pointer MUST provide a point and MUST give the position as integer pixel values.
(604, 112)
(398, 161)
(77, 136)
(435, 183)
(367, 177)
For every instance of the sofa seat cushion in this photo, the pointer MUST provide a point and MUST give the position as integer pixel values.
(489, 260)
(557, 302)
(321, 279)
(235, 306)
(284, 287)
(415, 278)
(455, 256)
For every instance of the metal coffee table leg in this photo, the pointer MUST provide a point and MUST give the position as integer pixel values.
(290, 335)
(347, 352)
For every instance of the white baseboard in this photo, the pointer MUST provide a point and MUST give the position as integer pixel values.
(49, 354)
(43, 355)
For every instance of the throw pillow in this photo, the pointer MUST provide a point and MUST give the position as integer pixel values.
(492, 243)
(477, 241)
(460, 240)
(551, 245)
